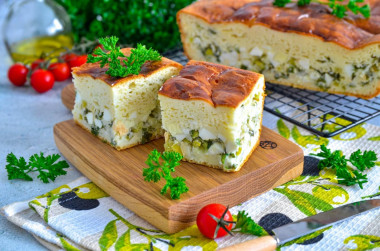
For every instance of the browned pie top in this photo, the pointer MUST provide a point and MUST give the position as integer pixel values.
(93, 70)
(352, 32)
(216, 84)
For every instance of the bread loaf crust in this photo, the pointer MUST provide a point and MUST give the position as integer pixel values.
(216, 84)
(352, 32)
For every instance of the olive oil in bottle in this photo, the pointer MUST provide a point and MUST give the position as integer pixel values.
(27, 51)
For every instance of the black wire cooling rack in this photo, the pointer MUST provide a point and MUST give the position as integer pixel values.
(321, 113)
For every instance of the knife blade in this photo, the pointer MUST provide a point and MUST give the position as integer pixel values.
(306, 226)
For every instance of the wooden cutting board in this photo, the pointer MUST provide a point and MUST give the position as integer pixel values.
(119, 173)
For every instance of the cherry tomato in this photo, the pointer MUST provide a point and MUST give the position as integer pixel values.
(61, 71)
(68, 57)
(36, 64)
(17, 74)
(78, 61)
(207, 225)
(42, 80)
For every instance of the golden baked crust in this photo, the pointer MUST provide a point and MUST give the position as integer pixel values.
(351, 32)
(150, 67)
(216, 84)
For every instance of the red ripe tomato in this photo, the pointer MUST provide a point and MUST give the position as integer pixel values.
(61, 71)
(36, 64)
(68, 57)
(17, 74)
(207, 225)
(78, 61)
(42, 80)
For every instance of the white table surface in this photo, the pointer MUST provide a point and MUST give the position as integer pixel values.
(26, 127)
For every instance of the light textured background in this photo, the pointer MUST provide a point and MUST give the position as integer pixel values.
(26, 127)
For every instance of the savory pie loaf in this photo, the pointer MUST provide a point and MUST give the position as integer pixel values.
(212, 114)
(121, 111)
(304, 47)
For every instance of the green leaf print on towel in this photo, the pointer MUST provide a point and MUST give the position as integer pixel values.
(300, 139)
(283, 130)
(306, 203)
(188, 237)
(123, 241)
(304, 238)
(376, 138)
(50, 197)
(192, 237)
(66, 245)
(322, 198)
(90, 191)
(363, 242)
(304, 140)
(372, 195)
(331, 194)
(109, 236)
(358, 131)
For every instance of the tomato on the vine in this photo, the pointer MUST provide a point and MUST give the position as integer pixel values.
(42, 80)
(214, 220)
(36, 64)
(68, 57)
(74, 60)
(17, 74)
(61, 71)
(77, 61)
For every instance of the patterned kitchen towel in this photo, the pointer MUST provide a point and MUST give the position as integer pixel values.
(80, 216)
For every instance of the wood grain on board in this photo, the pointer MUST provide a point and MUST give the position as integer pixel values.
(119, 173)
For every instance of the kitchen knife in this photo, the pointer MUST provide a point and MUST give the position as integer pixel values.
(306, 226)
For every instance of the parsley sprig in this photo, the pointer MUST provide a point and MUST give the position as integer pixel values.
(345, 175)
(47, 167)
(246, 225)
(112, 55)
(338, 8)
(163, 169)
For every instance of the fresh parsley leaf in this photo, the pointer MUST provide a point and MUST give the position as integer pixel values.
(338, 8)
(365, 11)
(153, 161)
(246, 225)
(157, 170)
(331, 159)
(138, 57)
(110, 56)
(345, 175)
(119, 67)
(281, 3)
(303, 2)
(363, 161)
(176, 185)
(48, 167)
(17, 168)
(171, 159)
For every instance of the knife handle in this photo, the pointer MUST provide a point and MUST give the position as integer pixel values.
(266, 243)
